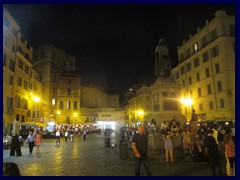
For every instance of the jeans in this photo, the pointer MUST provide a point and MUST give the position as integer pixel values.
(138, 162)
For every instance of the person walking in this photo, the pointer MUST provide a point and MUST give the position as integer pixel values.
(140, 149)
(57, 137)
(230, 152)
(84, 134)
(66, 135)
(71, 135)
(30, 141)
(213, 152)
(38, 141)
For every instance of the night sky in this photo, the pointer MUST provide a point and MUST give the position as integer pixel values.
(113, 44)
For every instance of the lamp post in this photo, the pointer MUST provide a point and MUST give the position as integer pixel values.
(36, 100)
(188, 103)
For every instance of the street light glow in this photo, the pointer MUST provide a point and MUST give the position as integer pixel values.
(140, 112)
(58, 112)
(36, 99)
(186, 101)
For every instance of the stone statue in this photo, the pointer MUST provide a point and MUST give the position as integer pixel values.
(15, 130)
(162, 60)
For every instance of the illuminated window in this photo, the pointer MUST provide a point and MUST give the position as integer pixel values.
(53, 102)
(68, 105)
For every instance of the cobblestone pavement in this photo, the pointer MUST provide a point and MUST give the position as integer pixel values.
(92, 158)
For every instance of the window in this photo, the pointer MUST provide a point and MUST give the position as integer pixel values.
(68, 107)
(11, 80)
(215, 51)
(25, 85)
(177, 75)
(183, 83)
(207, 72)
(213, 34)
(61, 105)
(30, 85)
(205, 57)
(217, 68)
(195, 47)
(204, 41)
(181, 57)
(210, 105)
(209, 89)
(199, 92)
(219, 85)
(53, 102)
(18, 102)
(69, 91)
(19, 81)
(182, 70)
(54, 90)
(221, 103)
(20, 64)
(200, 107)
(69, 81)
(188, 53)
(12, 65)
(29, 113)
(196, 62)
(189, 67)
(26, 69)
(189, 80)
(75, 104)
(198, 77)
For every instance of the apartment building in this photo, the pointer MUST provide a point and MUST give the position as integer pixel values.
(206, 70)
(20, 80)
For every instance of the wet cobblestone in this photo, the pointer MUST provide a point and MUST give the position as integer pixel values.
(91, 158)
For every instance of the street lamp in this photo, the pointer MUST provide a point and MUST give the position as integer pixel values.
(188, 103)
(75, 115)
(58, 112)
(36, 100)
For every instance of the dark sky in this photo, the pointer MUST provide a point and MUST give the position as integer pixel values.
(114, 44)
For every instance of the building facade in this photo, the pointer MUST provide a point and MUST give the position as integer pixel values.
(206, 70)
(44, 85)
(21, 81)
